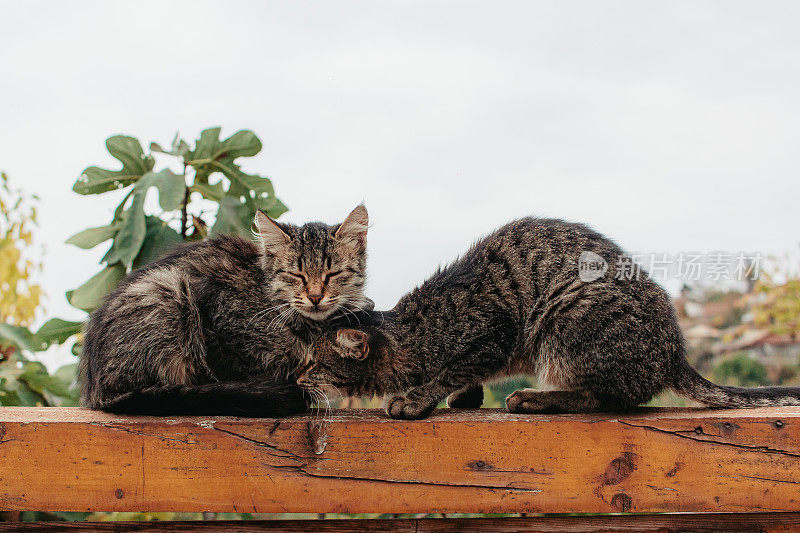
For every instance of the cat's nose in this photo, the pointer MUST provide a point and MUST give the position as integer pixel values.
(315, 298)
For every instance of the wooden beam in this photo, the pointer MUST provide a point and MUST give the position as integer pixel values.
(697, 523)
(358, 461)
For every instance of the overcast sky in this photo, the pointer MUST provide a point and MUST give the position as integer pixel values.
(668, 126)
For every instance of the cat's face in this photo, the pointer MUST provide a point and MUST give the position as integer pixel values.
(341, 359)
(316, 269)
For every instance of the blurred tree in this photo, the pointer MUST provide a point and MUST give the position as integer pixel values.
(776, 303)
(741, 370)
(22, 381)
(19, 296)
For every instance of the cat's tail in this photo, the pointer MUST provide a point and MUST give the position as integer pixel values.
(690, 383)
(236, 398)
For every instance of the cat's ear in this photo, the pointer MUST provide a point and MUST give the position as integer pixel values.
(353, 343)
(354, 227)
(269, 233)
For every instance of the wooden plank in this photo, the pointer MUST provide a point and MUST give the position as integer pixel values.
(710, 523)
(358, 461)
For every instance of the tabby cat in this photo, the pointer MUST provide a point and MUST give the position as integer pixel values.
(518, 303)
(220, 326)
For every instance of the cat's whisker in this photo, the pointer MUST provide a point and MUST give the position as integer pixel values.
(261, 314)
(314, 393)
(341, 396)
(346, 310)
(320, 398)
(287, 317)
(276, 317)
(281, 318)
(318, 395)
(327, 404)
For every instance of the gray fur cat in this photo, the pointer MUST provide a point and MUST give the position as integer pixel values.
(515, 303)
(220, 326)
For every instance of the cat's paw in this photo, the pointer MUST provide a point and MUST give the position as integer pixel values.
(352, 343)
(522, 401)
(469, 398)
(404, 409)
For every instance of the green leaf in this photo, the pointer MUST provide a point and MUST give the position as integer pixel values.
(8, 397)
(210, 192)
(111, 256)
(248, 185)
(20, 337)
(171, 188)
(67, 373)
(243, 143)
(89, 238)
(155, 147)
(135, 164)
(130, 237)
(14, 389)
(271, 206)
(179, 147)
(10, 370)
(55, 388)
(57, 331)
(29, 397)
(90, 295)
(233, 218)
(236, 218)
(158, 238)
(212, 155)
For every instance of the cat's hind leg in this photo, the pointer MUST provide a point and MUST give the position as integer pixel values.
(468, 398)
(556, 401)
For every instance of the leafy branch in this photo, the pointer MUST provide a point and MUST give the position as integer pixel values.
(210, 173)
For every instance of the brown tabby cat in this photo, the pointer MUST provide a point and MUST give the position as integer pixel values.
(516, 303)
(220, 326)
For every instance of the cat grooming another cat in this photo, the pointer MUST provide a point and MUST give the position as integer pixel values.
(516, 303)
(221, 326)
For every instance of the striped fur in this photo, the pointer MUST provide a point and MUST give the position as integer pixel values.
(213, 315)
(515, 303)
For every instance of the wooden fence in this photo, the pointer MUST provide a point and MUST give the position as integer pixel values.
(740, 466)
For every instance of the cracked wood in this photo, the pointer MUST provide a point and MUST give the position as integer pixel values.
(358, 461)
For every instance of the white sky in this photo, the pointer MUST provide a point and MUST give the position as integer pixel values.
(669, 126)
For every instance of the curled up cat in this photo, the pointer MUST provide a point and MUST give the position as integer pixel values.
(221, 326)
(542, 297)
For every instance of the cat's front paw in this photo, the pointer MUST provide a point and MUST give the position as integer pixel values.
(469, 398)
(522, 401)
(404, 409)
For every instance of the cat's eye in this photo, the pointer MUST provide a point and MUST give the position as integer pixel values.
(298, 275)
(329, 275)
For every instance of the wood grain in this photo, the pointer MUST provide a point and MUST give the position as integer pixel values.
(705, 523)
(358, 461)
